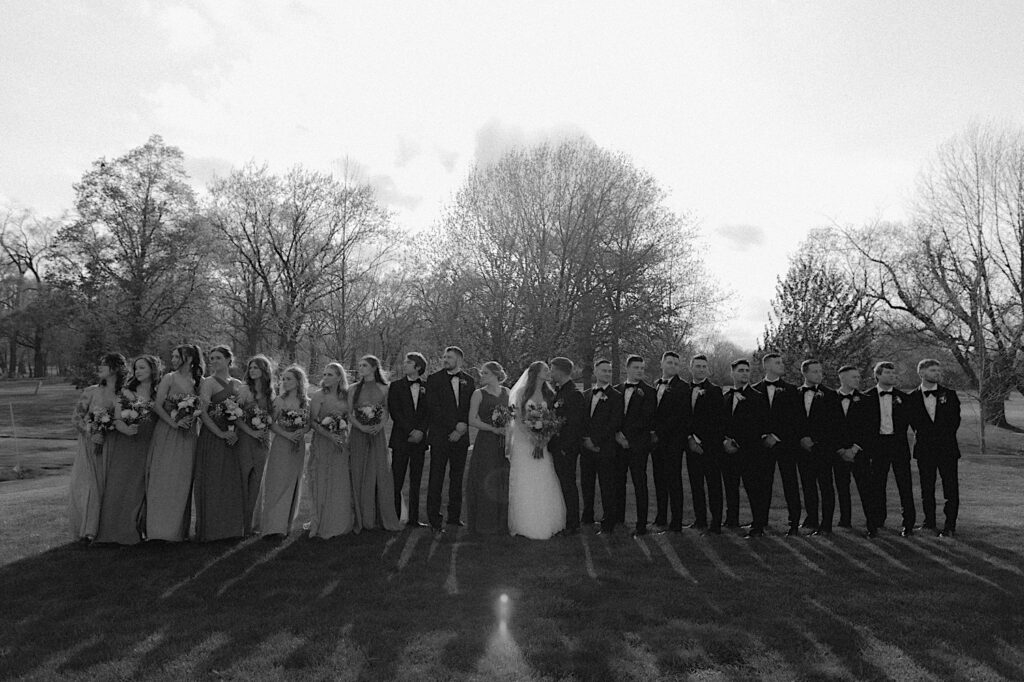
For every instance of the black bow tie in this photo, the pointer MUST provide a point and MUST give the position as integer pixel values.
(415, 381)
(629, 386)
(775, 383)
(805, 389)
(598, 389)
(881, 393)
(734, 389)
(844, 396)
(663, 381)
(933, 391)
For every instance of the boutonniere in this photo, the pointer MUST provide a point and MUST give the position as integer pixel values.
(462, 381)
(818, 394)
(602, 397)
(942, 399)
(739, 396)
(780, 389)
(856, 398)
(558, 404)
(640, 392)
(899, 401)
(423, 389)
(700, 392)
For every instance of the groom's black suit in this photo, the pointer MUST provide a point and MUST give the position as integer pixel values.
(567, 404)
(602, 419)
(445, 412)
(407, 417)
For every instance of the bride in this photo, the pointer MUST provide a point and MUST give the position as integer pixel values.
(535, 505)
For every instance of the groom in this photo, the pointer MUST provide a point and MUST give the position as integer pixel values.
(567, 404)
(449, 391)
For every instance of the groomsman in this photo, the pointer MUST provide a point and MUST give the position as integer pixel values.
(668, 440)
(744, 421)
(935, 417)
(634, 442)
(407, 405)
(603, 417)
(887, 419)
(449, 391)
(704, 445)
(567, 404)
(816, 432)
(850, 460)
(782, 406)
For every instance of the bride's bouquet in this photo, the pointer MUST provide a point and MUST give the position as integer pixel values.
(543, 424)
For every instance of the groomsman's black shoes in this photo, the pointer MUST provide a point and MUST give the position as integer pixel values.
(822, 532)
(416, 524)
(438, 531)
(660, 528)
(845, 524)
(906, 532)
(754, 533)
(640, 531)
(809, 525)
(605, 530)
(455, 522)
(927, 526)
(871, 533)
(793, 532)
(697, 526)
(947, 533)
(713, 530)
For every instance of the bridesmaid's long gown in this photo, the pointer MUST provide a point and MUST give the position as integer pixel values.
(252, 458)
(330, 486)
(169, 481)
(86, 485)
(282, 485)
(487, 479)
(124, 490)
(219, 495)
(373, 485)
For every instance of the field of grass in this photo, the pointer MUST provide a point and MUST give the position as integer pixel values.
(405, 606)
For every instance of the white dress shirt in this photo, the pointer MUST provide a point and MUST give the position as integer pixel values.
(414, 390)
(885, 427)
(929, 401)
(455, 387)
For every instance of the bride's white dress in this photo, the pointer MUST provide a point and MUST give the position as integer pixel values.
(535, 505)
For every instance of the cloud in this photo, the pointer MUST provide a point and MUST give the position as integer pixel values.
(203, 169)
(186, 30)
(407, 151)
(742, 237)
(389, 193)
(494, 139)
(447, 158)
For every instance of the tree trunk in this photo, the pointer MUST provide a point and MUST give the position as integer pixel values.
(39, 360)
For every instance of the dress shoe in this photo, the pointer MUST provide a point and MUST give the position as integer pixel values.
(455, 522)
(438, 531)
(697, 526)
(906, 532)
(809, 526)
(659, 528)
(713, 530)
(675, 529)
(754, 533)
(845, 524)
(793, 532)
(639, 532)
(947, 533)
(822, 532)
(871, 533)
(571, 531)
(602, 530)
(731, 524)
(415, 524)
(927, 526)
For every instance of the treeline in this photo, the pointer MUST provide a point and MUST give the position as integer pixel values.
(558, 249)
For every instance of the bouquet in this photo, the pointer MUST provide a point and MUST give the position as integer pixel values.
(184, 407)
(258, 418)
(501, 416)
(101, 421)
(543, 424)
(227, 413)
(134, 412)
(335, 423)
(370, 415)
(293, 420)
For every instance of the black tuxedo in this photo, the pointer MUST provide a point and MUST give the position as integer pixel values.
(852, 433)
(746, 421)
(937, 451)
(637, 417)
(783, 411)
(821, 424)
(601, 421)
(704, 409)
(668, 424)
(885, 452)
(567, 404)
(445, 412)
(407, 417)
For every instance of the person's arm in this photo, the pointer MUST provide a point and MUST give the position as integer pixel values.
(315, 408)
(245, 399)
(462, 426)
(119, 422)
(158, 403)
(402, 423)
(80, 415)
(954, 406)
(205, 395)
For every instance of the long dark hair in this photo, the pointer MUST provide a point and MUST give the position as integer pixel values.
(195, 359)
(532, 378)
(266, 383)
(118, 365)
(378, 376)
(226, 352)
(155, 369)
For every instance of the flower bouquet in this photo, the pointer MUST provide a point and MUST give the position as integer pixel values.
(370, 415)
(135, 412)
(293, 420)
(257, 418)
(226, 413)
(501, 416)
(101, 422)
(543, 424)
(336, 425)
(184, 407)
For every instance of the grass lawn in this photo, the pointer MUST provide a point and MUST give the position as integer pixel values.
(380, 606)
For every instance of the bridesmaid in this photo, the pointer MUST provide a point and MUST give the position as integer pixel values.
(279, 497)
(329, 482)
(172, 451)
(253, 443)
(124, 490)
(218, 491)
(87, 473)
(487, 481)
(373, 486)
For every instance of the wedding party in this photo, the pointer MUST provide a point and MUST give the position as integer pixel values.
(511, 341)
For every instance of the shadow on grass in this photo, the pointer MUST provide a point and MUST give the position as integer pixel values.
(404, 606)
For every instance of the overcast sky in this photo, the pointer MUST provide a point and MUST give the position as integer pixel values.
(763, 119)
